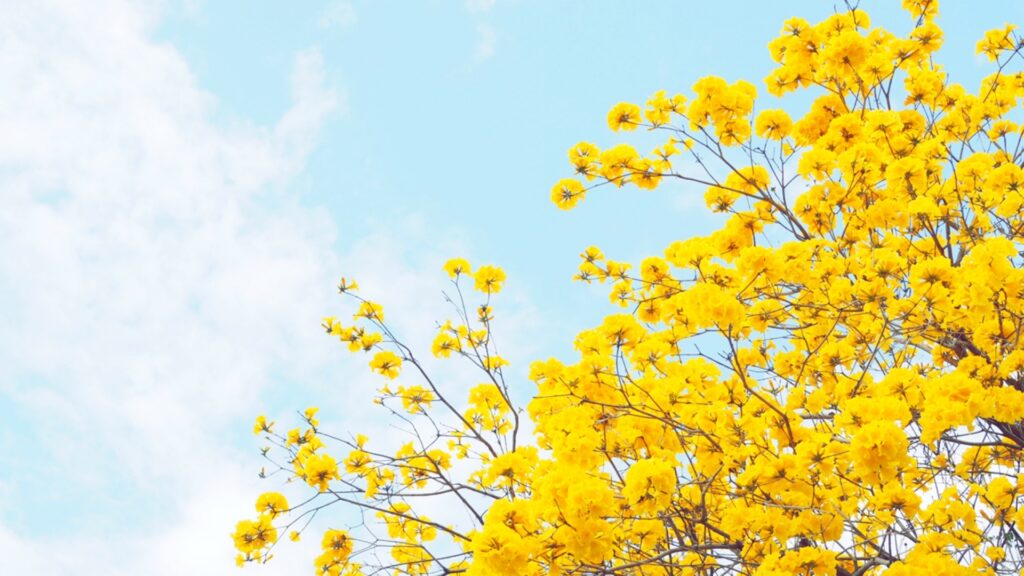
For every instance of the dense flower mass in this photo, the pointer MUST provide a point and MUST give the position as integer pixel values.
(831, 383)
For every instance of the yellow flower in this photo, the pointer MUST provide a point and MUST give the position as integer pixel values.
(567, 192)
(330, 325)
(357, 462)
(319, 470)
(370, 311)
(921, 8)
(592, 254)
(386, 364)
(271, 503)
(624, 116)
(489, 279)
(415, 398)
(1001, 494)
(616, 160)
(773, 124)
(310, 416)
(645, 174)
(658, 108)
(996, 41)
(262, 425)
(650, 484)
(445, 343)
(584, 157)
(879, 452)
(338, 544)
(251, 537)
(347, 285)
(495, 362)
(366, 342)
(457, 266)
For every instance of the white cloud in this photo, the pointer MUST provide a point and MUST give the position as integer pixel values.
(487, 36)
(158, 278)
(487, 39)
(338, 15)
(312, 102)
(156, 274)
(479, 6)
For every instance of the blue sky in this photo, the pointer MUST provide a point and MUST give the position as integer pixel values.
(186, 180)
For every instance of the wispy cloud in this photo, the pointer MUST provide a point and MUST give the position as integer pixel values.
(479, 6)
(312, 101)
(159, 279)
(156, 274)
(486, 35)
(338, 14)
(487, 39)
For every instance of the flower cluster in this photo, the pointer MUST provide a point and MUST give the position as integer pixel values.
(832, 382)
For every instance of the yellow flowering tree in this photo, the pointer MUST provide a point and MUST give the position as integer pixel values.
(830, 383)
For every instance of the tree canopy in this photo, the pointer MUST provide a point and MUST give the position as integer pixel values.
(832, 382)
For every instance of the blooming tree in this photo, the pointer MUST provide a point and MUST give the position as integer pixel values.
(830, 383)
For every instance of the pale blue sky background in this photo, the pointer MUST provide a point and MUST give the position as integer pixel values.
(185, 181)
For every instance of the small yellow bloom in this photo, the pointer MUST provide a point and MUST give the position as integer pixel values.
(624, 116)
(415, 398)
(495, 362)
(386, 364)
(347, 285)
(444, 344)
(773, 124)
(330, 325)
(271, 503)
(262, 425)
(456, 267)
(370, 311)
(252, 537)
(357, 462)
(337, 544)
(489, 279)
(319, 470)
(367, 341)
(658, 108)
(567, 192)
(584, 157)
(310, 415)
